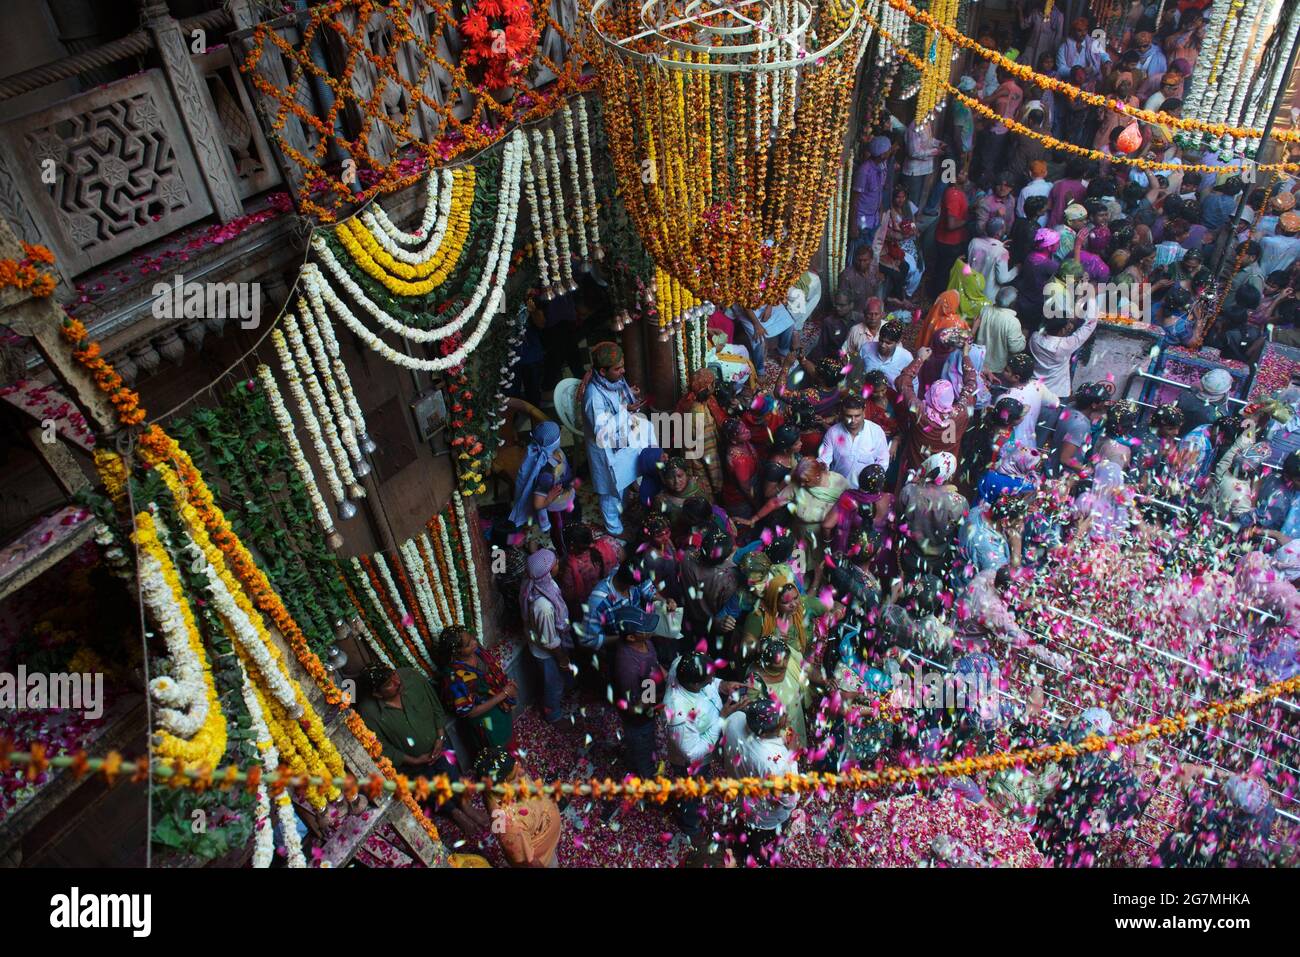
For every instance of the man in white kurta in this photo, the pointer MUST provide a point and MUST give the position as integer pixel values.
(853, 443)
(615, 435)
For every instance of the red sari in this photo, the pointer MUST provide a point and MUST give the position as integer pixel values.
(738, 476)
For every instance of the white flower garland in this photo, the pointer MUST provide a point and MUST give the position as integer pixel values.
(1214, 82)
(591, 214)
(393, 239)
(491, 284)
(535, 214)
(1221, 110)
(469, 560)
(437, 204)
(548, 214)
(285, 425)
(507, 377)
(491, 281)
(114, 554)
(1263, 103)
(454, 585)
(558, 203)
(1244, 73)
(395, 639)
(374, 645)
(332, 480)
(1194, 100)
(683, 374)
(419, 580)
(333, 444)
(184, 694)
(246, 627)
(264, 835)
(396, 594)
(575, 184)
(171, 693)
(325, 370)
(326, 330)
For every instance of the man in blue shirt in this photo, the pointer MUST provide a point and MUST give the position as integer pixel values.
(1219, 206)
(619, 590)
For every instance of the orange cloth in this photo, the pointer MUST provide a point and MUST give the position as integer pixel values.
(943, 315)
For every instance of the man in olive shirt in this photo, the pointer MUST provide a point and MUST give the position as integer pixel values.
(403, 710)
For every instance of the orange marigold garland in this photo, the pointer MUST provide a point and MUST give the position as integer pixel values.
(323, 193)
(386, 601)
(411, 601)
(24, 274)
(434, 525)
(1027, 74)
(158, 446)
(125, 401)
(435, 583)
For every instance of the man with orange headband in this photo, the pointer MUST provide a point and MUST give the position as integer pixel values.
(1079, 49)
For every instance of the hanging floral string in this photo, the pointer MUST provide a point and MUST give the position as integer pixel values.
(663, 789)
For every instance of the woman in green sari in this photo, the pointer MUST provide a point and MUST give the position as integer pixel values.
(969, 285)
(778, 672)
(782, 613)
(678, 486)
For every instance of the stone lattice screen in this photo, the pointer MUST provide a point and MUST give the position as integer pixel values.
(99, 174)
(359, 96)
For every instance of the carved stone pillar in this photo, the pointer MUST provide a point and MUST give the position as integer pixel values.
(634, 354)
(146, 357)
(192, 333)
(198, 114)
(171, 348)
(661, 366)
(275, 295)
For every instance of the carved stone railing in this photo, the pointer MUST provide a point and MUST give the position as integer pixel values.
(103, 173)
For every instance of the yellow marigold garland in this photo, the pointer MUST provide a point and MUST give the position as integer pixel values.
(1052, 142)
(401, 278)
(662, 789)
(296, 750)
(112, 472)
(1042, 81)
(159, 447)
(194, 525)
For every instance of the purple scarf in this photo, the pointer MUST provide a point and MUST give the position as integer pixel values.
(540, 583)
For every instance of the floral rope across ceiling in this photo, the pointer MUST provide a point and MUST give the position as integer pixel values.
(725, 126)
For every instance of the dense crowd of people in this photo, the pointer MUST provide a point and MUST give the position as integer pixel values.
(868, 494)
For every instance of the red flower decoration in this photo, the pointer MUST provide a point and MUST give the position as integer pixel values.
(500, 36)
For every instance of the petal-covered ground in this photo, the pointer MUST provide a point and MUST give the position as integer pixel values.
(841, 830)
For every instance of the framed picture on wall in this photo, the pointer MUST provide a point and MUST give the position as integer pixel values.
(429, 410)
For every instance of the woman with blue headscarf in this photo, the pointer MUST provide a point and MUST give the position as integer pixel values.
(544, 490)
